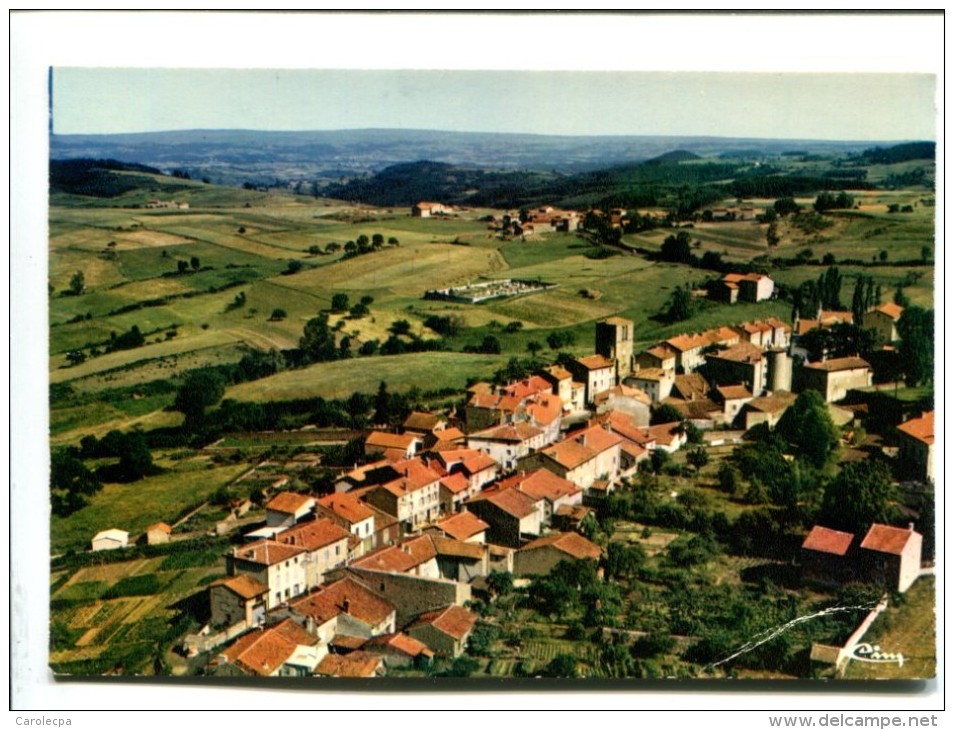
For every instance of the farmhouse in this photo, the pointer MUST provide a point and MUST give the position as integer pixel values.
(542, 555)
(744, 288)
(654, 382)
(834, 378)
(916, 446)
(110, 540)
(283, 650)
(464, 526)
(544, 485)
(582, 457)
(508, 444)
(892, 556)
(426, 209)
(741, 363)
(355, 665)
(413, 497)
(825, 558)
(158, 533)
(287, 508)
(596, 372)
(238, 599)
(393, 446)
(884, 321)
(444, 631)
(348, 511)
(510, 514)
(356, 610)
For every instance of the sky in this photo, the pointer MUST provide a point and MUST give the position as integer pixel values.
(858, 106)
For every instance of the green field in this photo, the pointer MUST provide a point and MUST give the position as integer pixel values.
(428, 371)
(135, 506)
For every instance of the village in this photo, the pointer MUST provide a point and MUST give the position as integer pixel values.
(381, 574)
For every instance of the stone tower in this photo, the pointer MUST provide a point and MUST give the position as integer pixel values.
(614, 340)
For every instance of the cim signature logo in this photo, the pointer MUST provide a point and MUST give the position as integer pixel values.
(872, 654)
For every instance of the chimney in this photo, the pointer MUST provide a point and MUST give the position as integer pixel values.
(910, 527)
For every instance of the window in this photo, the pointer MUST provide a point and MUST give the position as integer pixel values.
(337, 549)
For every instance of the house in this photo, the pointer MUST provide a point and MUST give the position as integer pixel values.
(464, 526)
(283, 650)
(354, 665)
(445, 439)
(348, 511)
(884, 321)
(688, 349)
(543, 485)
(393, 446)
(277, 565)
(668, 436)
(287, 508)
(834, 378)
(485, 410)
(916, 447)
(571, 394)
(426, 209)
(400, 650)
(460, 561)
(732, 398)
(742, 363)
(659, 356)
(575, 518)
(582, 457)
(528, 388)
(704, 413)
(542, 555)
(508, 444)
(767, 409)
(509, 513)
(614, 341)
(238, 599)
(475, 466)
(413, 497)
(781, 333)
(158, 534)
(325, 542)
(445, 631)
(758, 333)
(422, 424)
(745, 288)
(636, 443)
(825, 556)
(413, 556)
(356, 610)
(545, 411)
(824, 320)
(454, 491)
(654, 382)
(110, 540)
(596, 372)
(892, 556)
(625, 398)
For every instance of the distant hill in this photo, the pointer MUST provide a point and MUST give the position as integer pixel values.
(674, 156)
(899, 153)
(238, 156)
(98, 178)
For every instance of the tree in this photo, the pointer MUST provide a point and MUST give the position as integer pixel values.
(697, 458)
(377, 240)
(772, 237)
(201, 389)
(808, 427)
(676, 248)
(195, 263)
(500, 583)
(382, 405)
(490, 345)
(77, 283)
(916, 349)
(666, 413)
(317, 341)
(562, 665)
(69, 474)
(534, 347)
(400, 327)
(623, 561)
(560, 339)
(293, 267)
(339, 302)
(278, 315)
(135, 459)
(861, 493)
(75, 357)
(681, 305)
(786, 206)
(182, 266)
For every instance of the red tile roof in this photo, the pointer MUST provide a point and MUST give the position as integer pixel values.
(512, 502)
(399, 643)
(744, 352)
(418, 421)
(356, 664)
(161, 526)
(733, 392)
(400, 558)
(571, 543)
(390, 440)
(662, 352)
(892, 310)
(886, 539)
(346, 506)
(514, 433)
(921, 428)
(267, 552)
(455, 483)
(262, 652)
(823, 540)
(665, 433)
(545, 409)
(775, 403)
(448, 546)
(414, 475)
(528, 387)
(596, 362)
(839, 363)
(654, 374)
(558, 372)
(313, 535)
(462, 525)
(623, 391)
(582, 446)
(542, 484)
(454, 621)
(289, 502)
(329, 601)
(243, 585)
